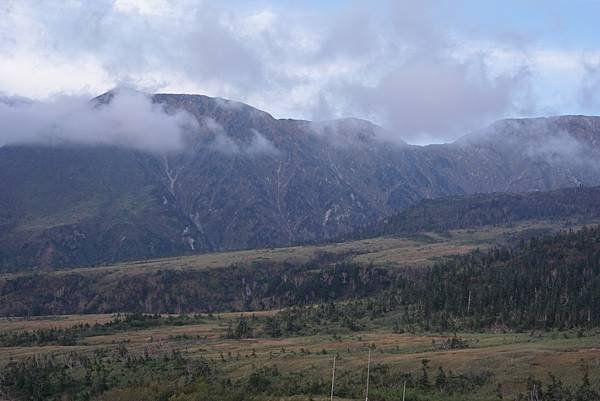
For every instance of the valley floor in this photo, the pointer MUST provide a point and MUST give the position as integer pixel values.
(508, 358)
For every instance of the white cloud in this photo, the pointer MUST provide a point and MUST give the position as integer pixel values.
(130, 119)
(590, 84)
(399, 64)
(145, 7)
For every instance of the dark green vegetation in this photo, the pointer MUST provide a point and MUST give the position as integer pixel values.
(257, 287)
(77, 333)
(81, 377)
(543, 283)
(245, 180)
(118, 375)
(440, 215)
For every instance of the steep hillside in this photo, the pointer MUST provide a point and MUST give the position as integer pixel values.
(70, 206)
(254, 279)
(247, 180)
(479, 210)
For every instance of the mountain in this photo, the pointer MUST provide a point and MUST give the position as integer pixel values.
(245, 179)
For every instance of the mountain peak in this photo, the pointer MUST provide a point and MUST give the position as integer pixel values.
(512, 131)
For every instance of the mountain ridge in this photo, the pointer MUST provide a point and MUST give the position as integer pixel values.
(479, 210)
(246, 180)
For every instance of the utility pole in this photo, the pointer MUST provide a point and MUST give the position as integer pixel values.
(404, 391)
(469, 304)
(368, 374)
(333, 377)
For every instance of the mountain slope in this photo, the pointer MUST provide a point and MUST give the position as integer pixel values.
(70, 206)
(246, 179)
(480, 210)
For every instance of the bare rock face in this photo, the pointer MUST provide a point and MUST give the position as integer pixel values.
(247, 180)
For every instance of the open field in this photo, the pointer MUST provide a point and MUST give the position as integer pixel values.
(66, 321)
(509, 357)
(42, 322)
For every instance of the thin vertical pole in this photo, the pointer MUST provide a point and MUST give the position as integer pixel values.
(368, 374)
(333, 377)
(404, 391)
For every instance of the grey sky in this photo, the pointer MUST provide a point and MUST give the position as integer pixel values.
(423, 70)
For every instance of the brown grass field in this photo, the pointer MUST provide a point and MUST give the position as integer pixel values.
(511, 357)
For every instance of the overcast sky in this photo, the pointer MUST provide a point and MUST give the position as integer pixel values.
(428, 71)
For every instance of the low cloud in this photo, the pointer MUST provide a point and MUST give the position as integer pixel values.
(214, 136)
(352, 132)
(434, 100)
(561, 147)
(130, 119)
(424, 85)
(554, 140)
(259, 144)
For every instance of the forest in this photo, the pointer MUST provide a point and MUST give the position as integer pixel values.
(543, 282)
(443, 214)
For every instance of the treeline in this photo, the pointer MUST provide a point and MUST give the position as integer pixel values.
(77, 333)
(549, 282)
(259, 286)
(543, 283)
(556, 390)
(327, 318)
(83, 376)
(442, 214)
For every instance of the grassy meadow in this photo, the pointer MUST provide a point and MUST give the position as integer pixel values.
(507, 358)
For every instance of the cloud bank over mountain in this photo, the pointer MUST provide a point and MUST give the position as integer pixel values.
(415, 68)
(130, 119)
